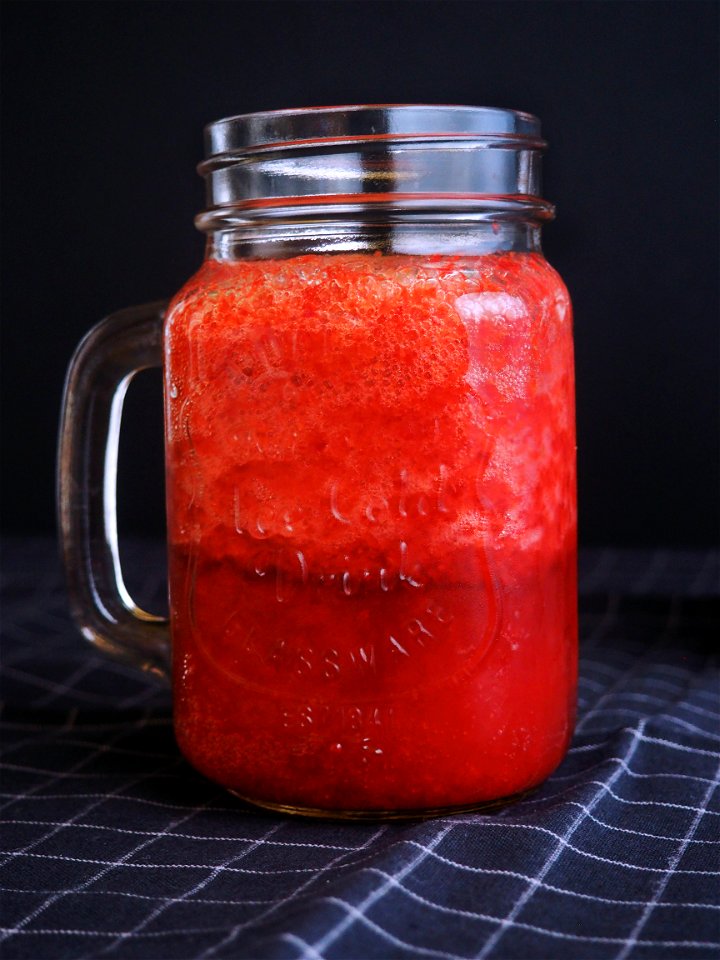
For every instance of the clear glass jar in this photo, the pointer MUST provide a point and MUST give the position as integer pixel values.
(370, 459)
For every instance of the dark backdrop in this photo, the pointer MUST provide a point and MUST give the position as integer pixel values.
(103, 106)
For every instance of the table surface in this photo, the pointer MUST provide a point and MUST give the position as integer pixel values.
(113, 847)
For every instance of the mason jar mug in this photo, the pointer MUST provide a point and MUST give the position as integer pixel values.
(370, 453)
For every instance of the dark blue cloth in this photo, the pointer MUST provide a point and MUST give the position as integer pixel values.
(113, 847)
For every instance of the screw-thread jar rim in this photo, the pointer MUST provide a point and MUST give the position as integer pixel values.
(412, 160)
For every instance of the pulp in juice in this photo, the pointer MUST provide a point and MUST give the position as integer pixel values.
(371, 503)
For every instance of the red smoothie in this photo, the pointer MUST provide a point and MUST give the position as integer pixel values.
(371, 502)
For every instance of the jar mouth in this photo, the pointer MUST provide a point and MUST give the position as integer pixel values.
(276, 129)
(407, 155)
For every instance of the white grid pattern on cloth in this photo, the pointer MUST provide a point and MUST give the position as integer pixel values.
(665, 879)
(114, 848)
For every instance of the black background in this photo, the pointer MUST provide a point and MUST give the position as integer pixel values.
(103, 107)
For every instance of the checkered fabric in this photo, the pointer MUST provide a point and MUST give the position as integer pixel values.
(114, 847)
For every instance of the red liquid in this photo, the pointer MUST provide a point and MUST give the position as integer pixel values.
(371, 497)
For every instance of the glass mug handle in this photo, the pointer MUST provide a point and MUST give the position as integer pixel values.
(100, 371)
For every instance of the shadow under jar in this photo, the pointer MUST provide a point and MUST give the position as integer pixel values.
(370, 456)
